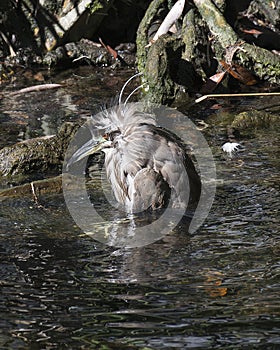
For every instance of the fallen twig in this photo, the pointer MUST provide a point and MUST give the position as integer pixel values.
(36, 88)
(35, 197)
(252, 94)
(80, 58)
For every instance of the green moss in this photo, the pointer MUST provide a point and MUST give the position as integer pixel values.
(95, 6)
(142, 33)
(255, 120)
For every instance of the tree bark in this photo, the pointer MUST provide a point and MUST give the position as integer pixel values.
(179, 62)
(264, 63)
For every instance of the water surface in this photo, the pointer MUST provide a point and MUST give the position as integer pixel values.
(216, 289)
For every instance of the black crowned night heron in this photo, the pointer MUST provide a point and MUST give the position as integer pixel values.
(147, 166)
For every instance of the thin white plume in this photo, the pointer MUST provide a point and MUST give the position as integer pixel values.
(125, 84)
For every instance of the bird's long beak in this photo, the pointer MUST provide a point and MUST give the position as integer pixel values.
(90, 147)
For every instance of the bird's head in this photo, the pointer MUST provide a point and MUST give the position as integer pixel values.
(94, 145)
(115, 125)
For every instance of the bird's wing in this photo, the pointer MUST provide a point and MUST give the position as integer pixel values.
(171, 160)
(150, 191)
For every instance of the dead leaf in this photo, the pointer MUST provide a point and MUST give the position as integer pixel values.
(111, 51)
(39, 76)
(212, 83)
(240, 73)
(213, 284)
(218, 77)
(254, 32)
(216, 106)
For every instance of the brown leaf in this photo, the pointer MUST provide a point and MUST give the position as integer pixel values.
(39, 76)
(213, 284)
(252, 31)
(109, 49)
(218, 77)
(240, 73)
(212, 83)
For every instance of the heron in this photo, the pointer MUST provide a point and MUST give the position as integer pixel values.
(147, 166)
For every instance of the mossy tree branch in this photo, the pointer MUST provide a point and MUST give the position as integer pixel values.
(264, 63)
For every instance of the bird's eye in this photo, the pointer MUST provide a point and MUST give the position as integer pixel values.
(110, 136)
(106, 136)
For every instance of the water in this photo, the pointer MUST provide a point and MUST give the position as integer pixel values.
(216, 289)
